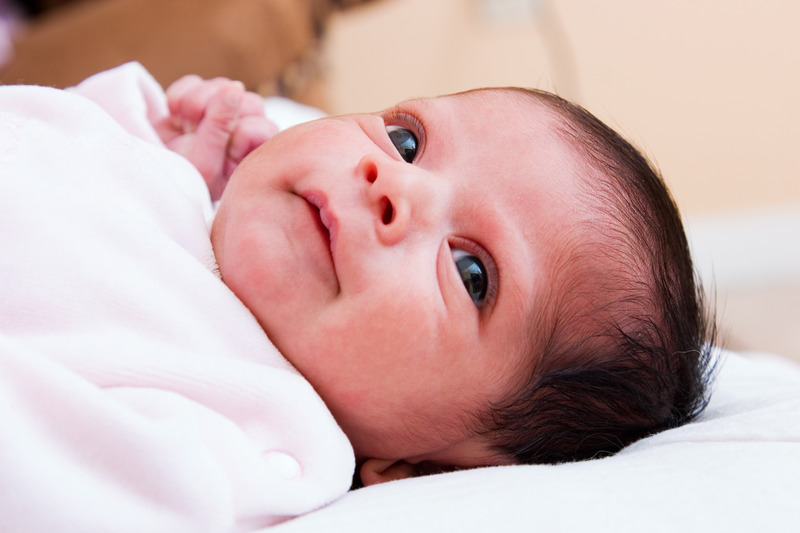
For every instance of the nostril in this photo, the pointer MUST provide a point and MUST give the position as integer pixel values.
(371, 173)
(388, 211)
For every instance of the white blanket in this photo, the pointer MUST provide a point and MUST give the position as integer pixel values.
(736, 469)
(136, 392)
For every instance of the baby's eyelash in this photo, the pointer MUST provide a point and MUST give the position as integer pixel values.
(486, 258)
(396, 117)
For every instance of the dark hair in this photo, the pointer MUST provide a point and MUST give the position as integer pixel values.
(628, 352)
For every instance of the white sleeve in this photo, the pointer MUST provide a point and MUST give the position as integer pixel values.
(79, 458)
(132, 97)
(137, 393)
(137, 457)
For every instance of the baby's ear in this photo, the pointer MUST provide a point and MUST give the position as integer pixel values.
(374, 471)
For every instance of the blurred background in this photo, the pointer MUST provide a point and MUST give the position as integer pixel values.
(708, 89)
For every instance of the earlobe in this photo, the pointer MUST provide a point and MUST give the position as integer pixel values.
(374, 471)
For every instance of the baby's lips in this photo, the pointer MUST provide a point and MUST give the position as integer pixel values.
(327, 220)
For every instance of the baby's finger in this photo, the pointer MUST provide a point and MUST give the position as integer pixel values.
(250, 133)
(209, 147)
(177, 91)
(252, 105)
(181, 85)
(191, 104)
(215, 130)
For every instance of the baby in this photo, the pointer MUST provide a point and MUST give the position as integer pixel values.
(487, 278)
(492, 277)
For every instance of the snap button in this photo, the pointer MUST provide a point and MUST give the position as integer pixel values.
(283, 464)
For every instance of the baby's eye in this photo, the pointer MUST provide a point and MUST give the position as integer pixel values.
(405, 142)
(473, 274)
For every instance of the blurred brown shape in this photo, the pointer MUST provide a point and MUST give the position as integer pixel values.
(270, 45)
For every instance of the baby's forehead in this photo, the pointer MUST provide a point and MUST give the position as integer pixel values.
(525, 103)
(485, 99)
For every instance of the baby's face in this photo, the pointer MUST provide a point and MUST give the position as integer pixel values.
(351, 238)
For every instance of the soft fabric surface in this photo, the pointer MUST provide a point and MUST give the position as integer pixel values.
(136, 392)
(735, 469)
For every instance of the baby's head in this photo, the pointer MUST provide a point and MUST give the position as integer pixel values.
(485, 278)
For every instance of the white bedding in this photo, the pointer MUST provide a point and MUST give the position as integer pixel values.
(735, 469)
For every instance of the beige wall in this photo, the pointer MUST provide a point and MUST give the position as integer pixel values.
(708, 88)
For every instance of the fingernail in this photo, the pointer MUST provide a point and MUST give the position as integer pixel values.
(233, 94)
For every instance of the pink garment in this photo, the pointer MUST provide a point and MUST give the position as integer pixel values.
(137, 393)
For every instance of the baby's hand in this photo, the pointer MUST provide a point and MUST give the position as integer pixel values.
(214, 124)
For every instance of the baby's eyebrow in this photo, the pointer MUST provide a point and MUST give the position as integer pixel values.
(418, 104)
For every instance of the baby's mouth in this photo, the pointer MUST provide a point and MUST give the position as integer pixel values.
(321, 225)
(325, 223)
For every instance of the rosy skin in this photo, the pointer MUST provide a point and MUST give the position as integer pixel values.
(366, 300)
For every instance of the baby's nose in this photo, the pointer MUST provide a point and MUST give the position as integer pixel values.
(389, 196)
